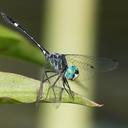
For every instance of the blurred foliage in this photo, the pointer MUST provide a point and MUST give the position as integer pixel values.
(13, 44)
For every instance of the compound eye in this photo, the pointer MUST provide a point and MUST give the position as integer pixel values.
(76, 71)
(72, 73)
(73, 76)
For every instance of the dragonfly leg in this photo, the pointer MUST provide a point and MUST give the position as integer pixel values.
(52, 87)
(70, 91)
(48, 71)
(65, 88)
(61, 92)
(40, 92)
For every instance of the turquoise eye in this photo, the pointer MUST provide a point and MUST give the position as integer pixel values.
(72, 73)
(76, 71)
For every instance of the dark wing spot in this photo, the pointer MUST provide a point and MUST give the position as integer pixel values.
(92, 67)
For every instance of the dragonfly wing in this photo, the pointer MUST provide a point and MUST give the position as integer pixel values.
(88, 65)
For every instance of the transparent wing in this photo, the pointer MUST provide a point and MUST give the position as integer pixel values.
(88, 65)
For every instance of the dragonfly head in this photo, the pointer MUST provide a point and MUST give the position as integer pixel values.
(72, 73)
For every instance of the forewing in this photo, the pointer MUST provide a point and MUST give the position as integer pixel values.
(89, 65)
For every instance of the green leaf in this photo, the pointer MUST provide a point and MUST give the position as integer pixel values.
(13, 44)
(20, 89)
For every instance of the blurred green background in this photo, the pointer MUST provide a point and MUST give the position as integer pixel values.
(111, 88)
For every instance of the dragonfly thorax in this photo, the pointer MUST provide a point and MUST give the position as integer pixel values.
(72, 73)
(57, 61)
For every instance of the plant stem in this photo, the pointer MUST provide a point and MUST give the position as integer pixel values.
(70, 28)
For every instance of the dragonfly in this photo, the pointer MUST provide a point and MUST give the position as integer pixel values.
(64, 67)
